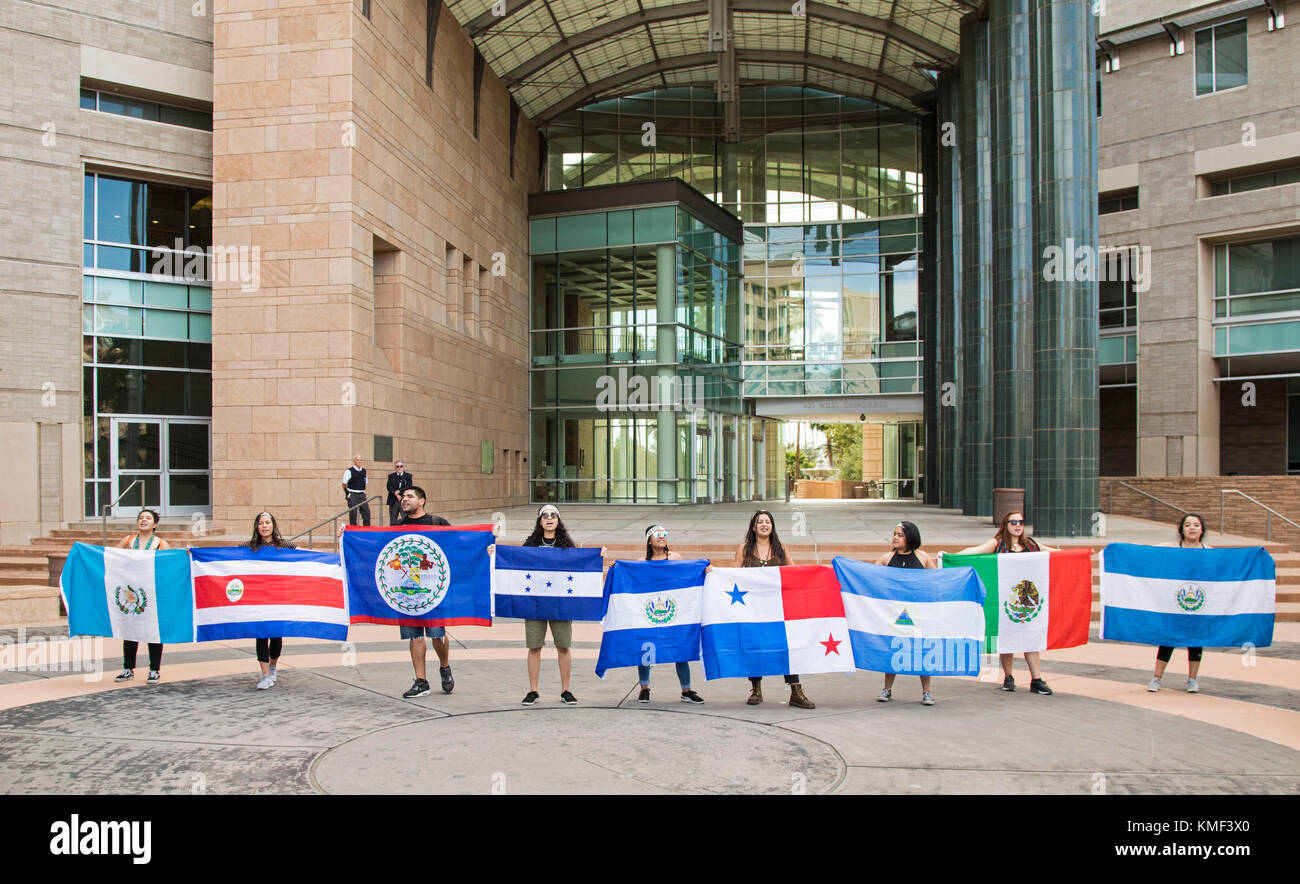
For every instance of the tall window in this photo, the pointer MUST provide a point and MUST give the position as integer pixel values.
(1221, 57)
(1257, 277)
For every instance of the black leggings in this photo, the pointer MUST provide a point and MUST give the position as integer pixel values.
(268, 649)
(1165, 653)
(155, 655)
(758, 680)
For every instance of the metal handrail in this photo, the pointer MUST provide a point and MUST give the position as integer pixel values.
(333, 520)
(1268, 522)
(103, 513)
(1110, 500)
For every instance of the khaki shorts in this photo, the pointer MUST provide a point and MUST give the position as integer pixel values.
(535, 633)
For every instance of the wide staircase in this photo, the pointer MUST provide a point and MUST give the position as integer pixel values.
(27, 597)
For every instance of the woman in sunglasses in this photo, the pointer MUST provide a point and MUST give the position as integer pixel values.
(549, 532)
(656, 550)
(1011, 538)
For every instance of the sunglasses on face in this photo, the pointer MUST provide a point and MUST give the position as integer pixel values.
(659, 534)
(550, 515)
(1015, 521)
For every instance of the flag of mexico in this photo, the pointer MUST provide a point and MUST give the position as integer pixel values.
(773, 621)
(1036, 601)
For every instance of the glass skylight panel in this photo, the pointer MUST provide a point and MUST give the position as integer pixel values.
(607, 57)
(685, 37)
(578, 17)
(848, 44)
(783, 33)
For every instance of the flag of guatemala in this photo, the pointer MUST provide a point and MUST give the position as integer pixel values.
(913, 621)
(542, 583)
(136, 595)
(418, 575)
(652, 614)
(1211, 598)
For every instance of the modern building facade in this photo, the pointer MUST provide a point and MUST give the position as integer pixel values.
(519, 246)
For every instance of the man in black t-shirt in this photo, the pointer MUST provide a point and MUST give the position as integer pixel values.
(412, 503)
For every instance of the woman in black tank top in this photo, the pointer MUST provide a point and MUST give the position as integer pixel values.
(906, 552)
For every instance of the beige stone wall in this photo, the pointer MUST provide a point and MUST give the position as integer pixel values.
(329, 148)
(873, 452)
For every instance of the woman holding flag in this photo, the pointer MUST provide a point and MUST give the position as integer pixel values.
(1191, 535)
(906, 552)
(549, 531)
(267, 533)
(146, 523)
(656, 550)
(762, 548)
(1011, 538)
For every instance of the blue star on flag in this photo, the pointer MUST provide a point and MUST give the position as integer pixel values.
(570, 592)
(737, 594)
(548, 584)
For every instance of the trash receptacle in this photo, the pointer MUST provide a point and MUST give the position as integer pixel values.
(859, 491)
(1007, 500)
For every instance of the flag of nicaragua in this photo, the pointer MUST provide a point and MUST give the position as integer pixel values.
(418, 575)
(267, 592)
(652, 614)
(773, 621)
(135, 595)
(1036, 600)
(1212, 598)
(542, 583)
(913, 621)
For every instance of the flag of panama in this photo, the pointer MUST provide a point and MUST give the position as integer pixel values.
(652, 614)
(773, 621)
(418, 575)
(913, 621)
(135, 595)
(543, 583)
(1200, 598)
(267, 592)
(1036, 600)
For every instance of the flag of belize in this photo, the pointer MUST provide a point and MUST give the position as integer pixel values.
(418, 575)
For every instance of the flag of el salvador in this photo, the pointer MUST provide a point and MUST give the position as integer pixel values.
(652, 613)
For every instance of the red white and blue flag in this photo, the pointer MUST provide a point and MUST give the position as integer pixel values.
(773, 621)
(267, 593)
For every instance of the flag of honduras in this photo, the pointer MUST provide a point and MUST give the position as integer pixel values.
(773, 621)
(1212, 598)
(136, 595)
(267, 592)
(1036, 600)
(913, 621)
(652, 614)
(543, 583)
(419, 575)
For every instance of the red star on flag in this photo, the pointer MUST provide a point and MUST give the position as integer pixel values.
(832, 646)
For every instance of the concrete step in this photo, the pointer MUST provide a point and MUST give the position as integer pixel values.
(34, 603)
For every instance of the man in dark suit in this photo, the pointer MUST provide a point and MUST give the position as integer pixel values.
(398, 482)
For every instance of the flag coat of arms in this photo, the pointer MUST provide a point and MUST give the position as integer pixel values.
(418, 575)
(543, 583)
(913, 621)
(267, 592)
(1036, 600)
(652, 614)
(785, 620)
(1211, 598)
(134, 595)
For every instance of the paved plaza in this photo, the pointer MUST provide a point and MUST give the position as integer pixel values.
(336, 722)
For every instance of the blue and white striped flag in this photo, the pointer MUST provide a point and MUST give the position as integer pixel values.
(135, 595)
(913, 622)
(543, 583)
(1212, 598)
(652, 614)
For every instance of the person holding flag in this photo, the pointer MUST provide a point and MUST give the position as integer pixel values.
(761, 548)
(1191, 535)
(146, 524)
(1011, 538)
(266, 532)
(656, 550)
(906, 553)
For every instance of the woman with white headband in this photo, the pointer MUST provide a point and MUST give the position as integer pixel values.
(656, 550)
(267, 533)
(549, 532)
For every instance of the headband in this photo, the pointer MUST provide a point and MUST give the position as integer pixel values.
(654, 528)
(264, 513)
(541, 512)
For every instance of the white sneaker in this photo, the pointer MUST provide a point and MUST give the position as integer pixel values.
(266, 682)
(1154, 685)
(927, 699)
(885, 697)
(272, 674)
(1192, 686)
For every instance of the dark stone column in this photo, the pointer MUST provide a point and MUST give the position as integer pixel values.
(977, 271)
(928, 305)
(1065, 309)
(948, 370)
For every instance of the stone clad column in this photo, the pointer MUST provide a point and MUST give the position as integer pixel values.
(928, 308)
(947, 177)
(1065, 311)
(666, 356)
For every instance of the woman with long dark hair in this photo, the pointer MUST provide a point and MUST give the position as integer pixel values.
(1012, 538)
(266, 532)
(656, 550)
(549, 532)
(762, 548)
(145, 537)
(1191, 535)
(906, 552)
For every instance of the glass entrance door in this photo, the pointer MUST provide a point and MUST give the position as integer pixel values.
(166, 464)
(904, 457)
(137, 465)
